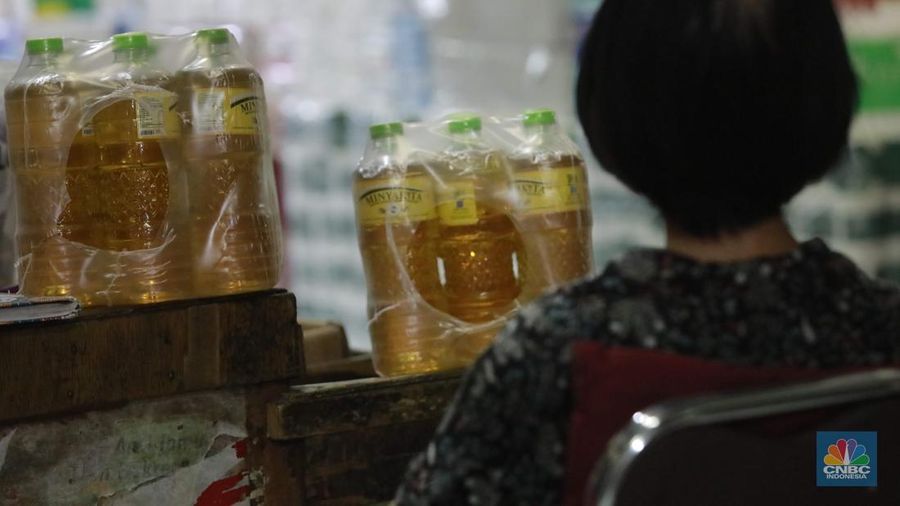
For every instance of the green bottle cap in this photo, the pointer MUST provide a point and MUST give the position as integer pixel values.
(52, 45)
(535, 117)
(463, 124)
(382, 130)
(214, 35)
(130, 40)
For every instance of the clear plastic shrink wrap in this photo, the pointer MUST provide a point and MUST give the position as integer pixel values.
(142, 169)
(461, 222)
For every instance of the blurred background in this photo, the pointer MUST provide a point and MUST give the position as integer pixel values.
(332, 67)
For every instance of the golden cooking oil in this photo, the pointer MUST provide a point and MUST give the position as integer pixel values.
(137, 137)
(398, 239)
(552, 206)
(235, 231)
(55, 167)
(479, 241)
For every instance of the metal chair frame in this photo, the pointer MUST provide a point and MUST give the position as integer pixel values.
(654, 422)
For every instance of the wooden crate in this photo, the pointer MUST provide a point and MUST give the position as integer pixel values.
(109, 356)
(328, 355)
(349, 442)
(163, 404)
(191, 403)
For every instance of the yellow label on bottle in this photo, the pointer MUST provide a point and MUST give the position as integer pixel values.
(226, 111)
(156, 115)
(456, 203)
(552, 190)
(398, 200)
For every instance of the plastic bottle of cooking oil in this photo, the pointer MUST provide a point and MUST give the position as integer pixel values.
(479, 241)
(77, 220)
(398, 240)
(234, 234)
(552, 206)
(55, 169)
(137, 135)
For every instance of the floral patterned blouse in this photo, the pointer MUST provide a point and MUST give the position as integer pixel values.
(503, 439)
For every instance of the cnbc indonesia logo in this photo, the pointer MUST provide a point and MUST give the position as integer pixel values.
(847, 461)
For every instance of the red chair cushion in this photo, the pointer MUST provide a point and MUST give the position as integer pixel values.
(612, 383)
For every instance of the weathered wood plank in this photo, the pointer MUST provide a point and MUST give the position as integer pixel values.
(323, 342)
(327, 408)
(361, 467)
(358, 366)
(328, 356)
(109, 356)
(349, 442)
(266, 458)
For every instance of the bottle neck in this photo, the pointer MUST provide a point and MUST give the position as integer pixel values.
(216, 51)
(131, 56)
(541, 130)
(467, 138)
(42, 60)
(386, 145)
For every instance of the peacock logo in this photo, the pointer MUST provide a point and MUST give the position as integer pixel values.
(846, 452)
(849, 459)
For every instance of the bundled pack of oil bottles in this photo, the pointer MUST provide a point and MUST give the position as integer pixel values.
(142, 169)
(461, 222)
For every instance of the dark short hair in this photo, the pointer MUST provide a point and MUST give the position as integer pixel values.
(718, 111)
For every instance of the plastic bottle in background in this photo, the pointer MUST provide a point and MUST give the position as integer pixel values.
(479, 241)
(55, 172)
(411, 85)
(398, 240)
(137, 136)
(235, 237)
(552, 208)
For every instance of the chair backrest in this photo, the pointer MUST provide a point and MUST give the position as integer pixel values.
(752, 447)
(611, 383)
